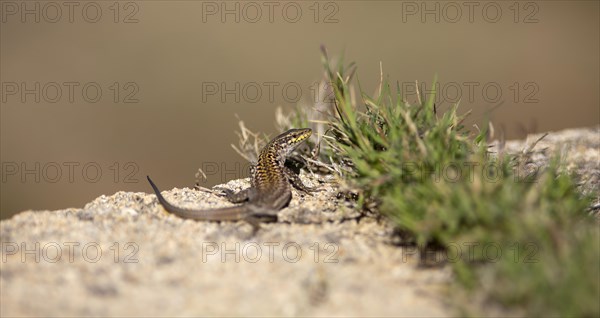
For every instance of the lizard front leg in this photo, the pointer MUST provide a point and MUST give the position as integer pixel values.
(296, 182)
(237, 197)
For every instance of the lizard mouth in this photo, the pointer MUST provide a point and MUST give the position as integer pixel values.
(307, 132)
(292, 138)
(302, 135)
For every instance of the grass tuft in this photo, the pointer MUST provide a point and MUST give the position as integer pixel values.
(515, 235)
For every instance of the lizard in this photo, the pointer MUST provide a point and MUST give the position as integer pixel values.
(270, 186)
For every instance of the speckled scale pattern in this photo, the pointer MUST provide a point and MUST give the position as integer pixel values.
(272, 189)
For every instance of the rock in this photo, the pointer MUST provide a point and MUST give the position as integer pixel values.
(578, 149)
(123, 255)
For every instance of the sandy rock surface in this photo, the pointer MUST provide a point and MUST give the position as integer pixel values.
(578, 149)
(321, 258)
(123, 255)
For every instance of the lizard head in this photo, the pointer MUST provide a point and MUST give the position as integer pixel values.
(289, 140)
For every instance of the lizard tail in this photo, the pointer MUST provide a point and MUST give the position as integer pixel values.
(223, 214)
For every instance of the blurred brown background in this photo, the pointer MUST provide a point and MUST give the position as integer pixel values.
(96, 95)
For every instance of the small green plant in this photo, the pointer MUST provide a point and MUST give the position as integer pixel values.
(438, 182)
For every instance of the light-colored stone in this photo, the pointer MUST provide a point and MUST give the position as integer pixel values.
(166, 266)
(578, 150)
(156, 264)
